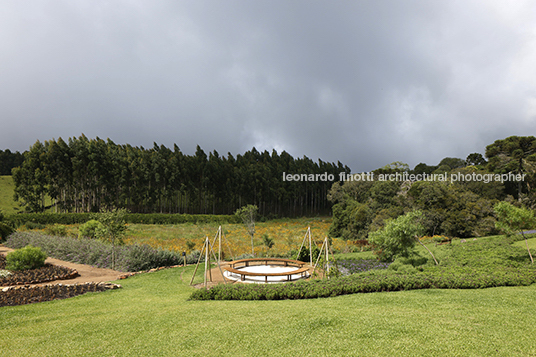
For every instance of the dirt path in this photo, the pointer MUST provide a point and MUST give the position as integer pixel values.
(87, 273)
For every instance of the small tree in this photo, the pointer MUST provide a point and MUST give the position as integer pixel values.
(112, 228)
(512, 219)
(248, 214)
(397, 237)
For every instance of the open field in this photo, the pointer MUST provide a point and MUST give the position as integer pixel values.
(151, 316)
(287, 234)
(7, 204)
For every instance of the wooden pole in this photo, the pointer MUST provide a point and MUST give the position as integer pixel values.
(310, 245)
(197, 264)
(219, 266)
(302, 243)
(327, 256)
(219, 245)
(206, 262)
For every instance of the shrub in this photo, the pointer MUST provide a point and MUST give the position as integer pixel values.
(143, 257)
(89, 229)
(5, 231)
(26, 258)
(304, 254)
(34, 225)
(56, 230)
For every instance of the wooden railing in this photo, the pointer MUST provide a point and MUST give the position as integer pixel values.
(302, 269)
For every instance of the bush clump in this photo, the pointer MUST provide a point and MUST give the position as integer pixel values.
(26, 258)
(56, 230)
(89, 229)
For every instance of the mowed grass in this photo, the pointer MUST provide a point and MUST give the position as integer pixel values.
(151, 316)
(7, 189)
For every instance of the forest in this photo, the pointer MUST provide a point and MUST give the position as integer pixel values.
(452, 207)
(87, 175)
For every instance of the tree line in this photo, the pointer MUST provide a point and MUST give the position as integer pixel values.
(86, 175)
(9, 160)
(455, 208)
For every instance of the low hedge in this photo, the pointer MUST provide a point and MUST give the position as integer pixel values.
(141, 218)
(373, 281)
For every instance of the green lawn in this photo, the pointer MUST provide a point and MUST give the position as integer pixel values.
(531, 242)
(151, 316)
(7, 204)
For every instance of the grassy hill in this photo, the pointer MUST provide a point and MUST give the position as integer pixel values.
(152, 316)
(7, 204)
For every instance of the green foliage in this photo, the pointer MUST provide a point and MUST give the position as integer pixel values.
(475, 159)
(513, 219)
(89, 229)
(112, 228)
(267, 241)
(5, 231)
(451, 163)
(305, 255)
(56, 230)
(97, 253)
(484, 253)
(26, 258)
(408, 278)
(397, 238)
(471, 265)
(351, 220)
(514, 154)
(135, 218)
(86, 175)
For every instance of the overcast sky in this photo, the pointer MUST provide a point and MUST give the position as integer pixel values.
(363, 82)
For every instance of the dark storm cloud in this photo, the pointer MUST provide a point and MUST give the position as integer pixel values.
(366, 83)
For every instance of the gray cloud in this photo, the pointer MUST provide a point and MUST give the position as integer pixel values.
(366, 83)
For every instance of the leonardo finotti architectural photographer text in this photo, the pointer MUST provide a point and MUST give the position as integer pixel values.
(404, 176)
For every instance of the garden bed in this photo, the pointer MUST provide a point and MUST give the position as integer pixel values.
(16, 287)
(28, 294)
(44, 274)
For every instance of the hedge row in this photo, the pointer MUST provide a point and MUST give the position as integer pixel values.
(373, 281)
(141, 218)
